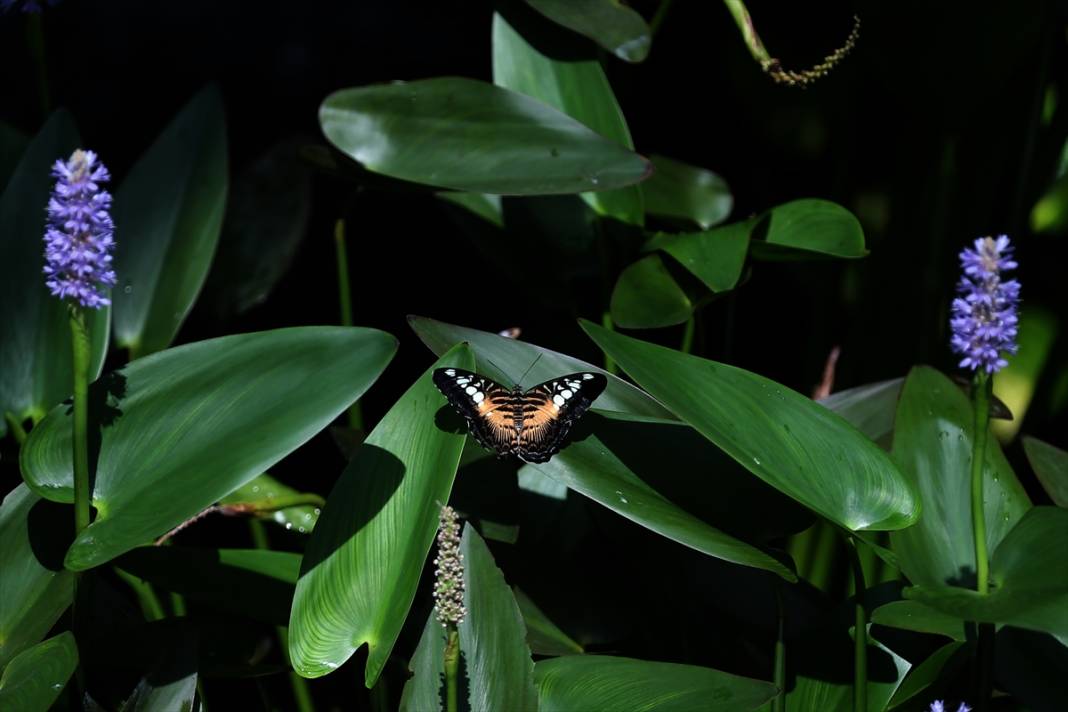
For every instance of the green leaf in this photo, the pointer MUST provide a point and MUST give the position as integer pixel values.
(484, 205)
(265, 496)
(911, 615)
(716, 257)
(494, 352)
(174, 432)
(684, 192)
(362, 563)
(795, 445)
(470, 135)
(492, 635)
(168, 213)
(266, 218)
(870, 408)
(607, 467)
(35, 347)
(171, 685)
(609, 23)
(544, 65)
(34, 679)
(933, 448)
(424, 690)
(807, 229)
(1029, 575)
(253, 582)
(646, 296)
(1051, 466)
(543, 636)
(601, 682)
(34, 533)
(921, 677)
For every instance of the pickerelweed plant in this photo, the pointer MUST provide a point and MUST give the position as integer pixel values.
(79, 239)
(449, 598)
(984, 327)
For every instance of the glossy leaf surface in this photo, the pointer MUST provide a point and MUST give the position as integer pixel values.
(362, 563)
(469, 135)
(933, 447)
(543, 636)
(168, 214)
(264, 497)
(806, 229)
(180, 429)
(34, 679)
(587, 682)
(716, 257)
(680, 191)
(646, 296)
(609, 23)
(797, 446)
(35, 342)
(1051, 466)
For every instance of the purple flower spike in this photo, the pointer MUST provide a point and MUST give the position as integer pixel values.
(938, 706)
(80, 235)
(984, 320)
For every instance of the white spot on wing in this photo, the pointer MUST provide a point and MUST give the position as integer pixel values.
(477, 398)
(450, 372)
(566, 394)
(470, 390)
(462, 381)
(587, 376)
(558, 399)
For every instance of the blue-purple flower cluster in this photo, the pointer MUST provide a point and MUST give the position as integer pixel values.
(939, 706)
(984, 320)
(27, 5)
(80, 235)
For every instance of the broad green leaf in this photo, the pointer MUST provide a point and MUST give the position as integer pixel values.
(949, 657)
(602, 682)
(543, 636)
(647, 296)
(1029, 577)
(1050, 212)
(546, 66)
(35, 345)
(609, 23)
(621, 463)
(494, 352)
(1016, 383)
(716, 257)
(253, 582)
(500, 672)
(469, 135)
(870, 408)
(266, 218)
(807, 229)
(171, 684)
(933, 448)
(1051, 467)
(911, 615)
(36, 589)
(168, 214)
(362, 563)
(180, 429)
(680, 191)
(795, 445)
(12, 143)
(34, 679)
(485, 205)
(424, 690)
(267, 498)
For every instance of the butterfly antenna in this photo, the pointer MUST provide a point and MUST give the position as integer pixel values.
(499, 369)
(528, 369)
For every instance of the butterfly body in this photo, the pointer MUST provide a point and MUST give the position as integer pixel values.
(531, 424)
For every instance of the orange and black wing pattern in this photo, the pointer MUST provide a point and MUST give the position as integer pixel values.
(484, 404)
(550, 409)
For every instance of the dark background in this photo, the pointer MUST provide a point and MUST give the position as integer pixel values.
(931, 132)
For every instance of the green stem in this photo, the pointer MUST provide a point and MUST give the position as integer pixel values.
(981, 396)
(658, 18)
(749, 33)
(79, 333)
(380, 694)
(860, 631)
(344, 291)
(15, 425)
(779, 676)
(687, 334)
(452, 667)
(606, 322)
(301, 693)
(150, 603)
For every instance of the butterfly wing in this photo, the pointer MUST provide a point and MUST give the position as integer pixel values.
(551, 408)
(483, 403)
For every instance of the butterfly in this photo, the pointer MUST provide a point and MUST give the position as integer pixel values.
(531, 424)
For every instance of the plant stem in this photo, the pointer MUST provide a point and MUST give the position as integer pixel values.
(150, 603)
(344, 292)
(16, 427)
(301, 693)
(79, 332)
(452, 667)
(658, 18)
(860, 630)
(779, 676)
(687, 334)
(380, 694)
(749, 34)
(981, 396)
